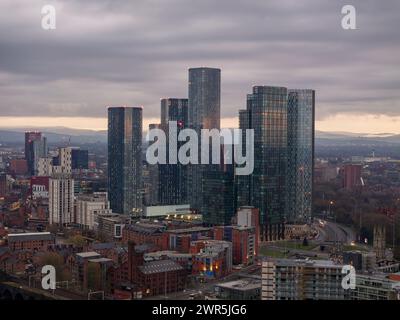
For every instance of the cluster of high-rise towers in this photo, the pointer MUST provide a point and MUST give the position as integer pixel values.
(280, 186)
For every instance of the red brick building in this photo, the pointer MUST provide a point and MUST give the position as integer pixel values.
(180, 239)
(3, 185)
(351, 176)
(30, 241)
(18, 167)
(250, 217)
(142, 233)
(211, 258)
(155, 277)
(243, 245)
(39, 187)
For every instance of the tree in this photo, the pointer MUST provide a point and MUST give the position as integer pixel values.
(77, 241)
(94, 276)
(57, 261)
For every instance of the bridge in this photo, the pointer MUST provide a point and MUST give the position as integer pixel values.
(12, 289)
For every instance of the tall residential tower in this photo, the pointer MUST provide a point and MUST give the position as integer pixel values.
(204, 112)
(265, 188)
(125, 159)
(172, 176)
(301, 129)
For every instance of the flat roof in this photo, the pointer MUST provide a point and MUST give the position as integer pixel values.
(160, 266)
(241, 285)
(304, 262)
(168, 253)
(188, 230)
(100, 260)
(89, 254)
(29, 236)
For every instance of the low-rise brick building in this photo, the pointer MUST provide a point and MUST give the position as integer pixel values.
(146, 233)
(30, 241)
(155, 277)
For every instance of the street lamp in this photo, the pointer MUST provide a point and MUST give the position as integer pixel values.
(331, 203)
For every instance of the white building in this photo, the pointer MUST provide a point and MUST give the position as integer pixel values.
(45, 167)
(287, 279)
(65, 161)
(167, 210)
(39, 192)
(88, 207)
(61, 199)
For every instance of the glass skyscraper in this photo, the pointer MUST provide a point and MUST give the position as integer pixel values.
(35, 148)
(219, 196)
(204, 112)
(301, 130)
(125, 159)
(172, 177)
(265, 188)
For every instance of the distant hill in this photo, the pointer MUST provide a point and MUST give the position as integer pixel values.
(347, 138)
(55, 135)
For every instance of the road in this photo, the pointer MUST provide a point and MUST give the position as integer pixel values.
(332, 231)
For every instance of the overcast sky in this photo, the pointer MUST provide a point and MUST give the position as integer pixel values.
(119, 52)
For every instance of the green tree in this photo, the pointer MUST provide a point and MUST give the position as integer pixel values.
(57, 261)
(77, 241)
(94, 276)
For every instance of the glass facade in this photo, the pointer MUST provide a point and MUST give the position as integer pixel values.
(125, 159)
(219, 196)
(265, 189)
(172, 177)
(80, 159)
(301, 113)
(204, 113)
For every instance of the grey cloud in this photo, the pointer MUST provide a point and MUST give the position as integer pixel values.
(134, 52)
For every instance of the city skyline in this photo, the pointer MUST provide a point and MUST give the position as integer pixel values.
(188, 157)
(253, 42)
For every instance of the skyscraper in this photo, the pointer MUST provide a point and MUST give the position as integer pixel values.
(79, 158)
(265, 188)
(125, 159)
(204, 113)
(301, 113)
(35, 148)
(153, 178)
(173, 177)
(218, 207)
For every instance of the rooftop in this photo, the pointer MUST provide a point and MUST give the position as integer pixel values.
(13, 237)
(100, 260)
(90, 254)
(168, 253)
(159, 266)
(241, 285)
(306, 262)
(189, 230)
(146, 228)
